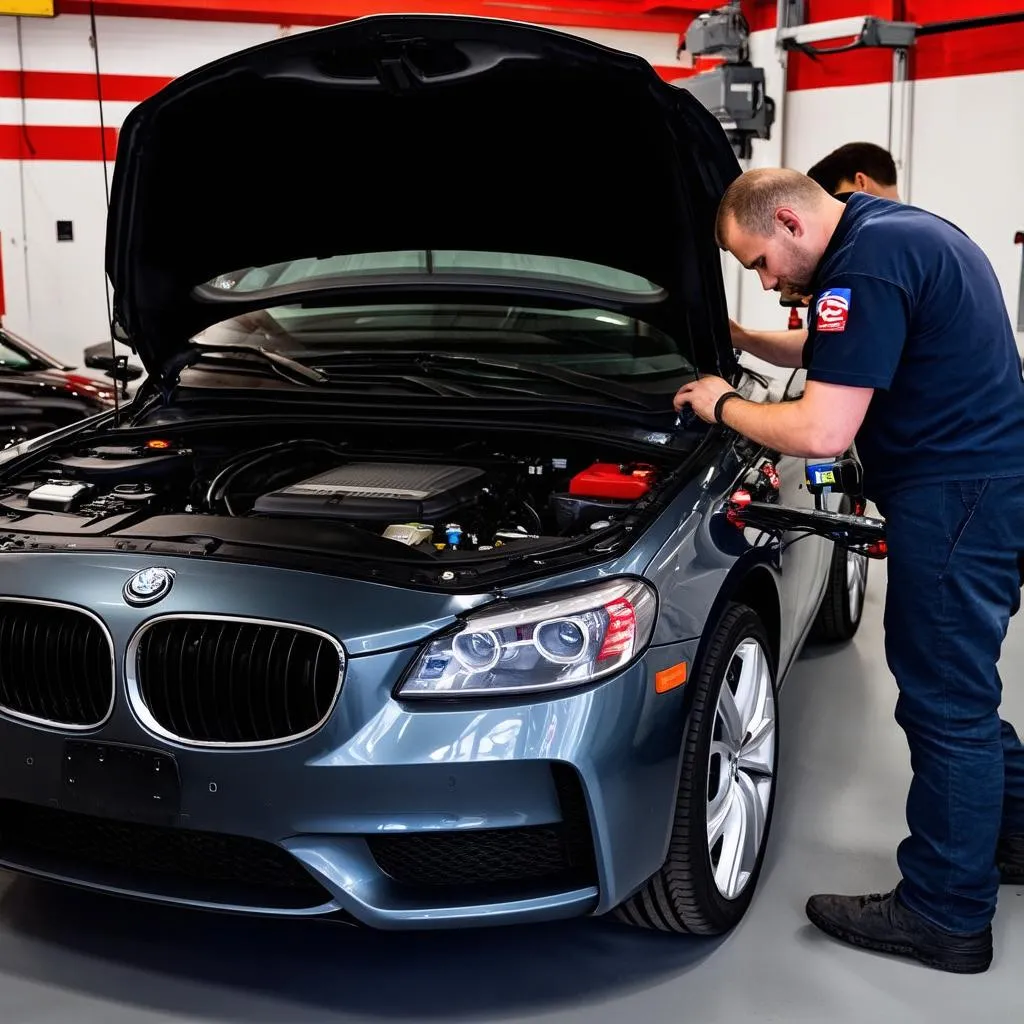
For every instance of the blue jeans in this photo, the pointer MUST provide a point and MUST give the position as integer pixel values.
(954, 581)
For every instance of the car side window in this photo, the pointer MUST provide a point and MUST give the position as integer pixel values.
(11, 359)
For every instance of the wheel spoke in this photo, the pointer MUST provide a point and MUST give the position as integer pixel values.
(729, 872)
(729, 715)
(717, 800)
(725, 809)
(755, 815)
(757, 755)
(856, 581)
(748, 688)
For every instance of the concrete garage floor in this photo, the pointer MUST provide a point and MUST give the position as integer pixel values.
(71, 957)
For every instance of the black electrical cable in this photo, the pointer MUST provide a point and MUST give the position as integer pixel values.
(814, 51)
(964, 24)
(21, 91)
(106, 192)
(99, 97)
(21, 170)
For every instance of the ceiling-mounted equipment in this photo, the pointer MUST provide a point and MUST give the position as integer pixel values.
(735, 94)
(735, 90)
(723, 32)
(866, 32)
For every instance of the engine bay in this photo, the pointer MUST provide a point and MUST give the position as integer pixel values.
(451, 496)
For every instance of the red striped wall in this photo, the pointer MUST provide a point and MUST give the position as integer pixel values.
(73, 85)
(973, 52)
(56, 142)
(626, 15)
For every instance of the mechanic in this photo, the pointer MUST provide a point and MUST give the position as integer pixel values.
(857, 167)
(910, 352)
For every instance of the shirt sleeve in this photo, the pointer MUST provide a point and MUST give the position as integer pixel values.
(858, 331)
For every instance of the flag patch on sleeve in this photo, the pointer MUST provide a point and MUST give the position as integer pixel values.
(832, 309)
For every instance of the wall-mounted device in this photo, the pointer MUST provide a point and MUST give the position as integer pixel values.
(735, 90)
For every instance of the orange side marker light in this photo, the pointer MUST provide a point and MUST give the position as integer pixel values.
(669, 678)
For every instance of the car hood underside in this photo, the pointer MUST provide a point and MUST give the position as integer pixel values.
(406, 133)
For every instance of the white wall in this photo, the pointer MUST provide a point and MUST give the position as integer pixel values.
(65, 300)
(964, 162)
(749, 303)
(60, 303)
(967, 164)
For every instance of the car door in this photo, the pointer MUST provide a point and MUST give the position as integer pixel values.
(810, 517)
(805, 558)
(809, 508)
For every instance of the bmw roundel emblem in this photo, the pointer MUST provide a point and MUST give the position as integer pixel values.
(148, 585)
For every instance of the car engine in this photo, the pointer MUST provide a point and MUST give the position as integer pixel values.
(377, 490)
(462, 496)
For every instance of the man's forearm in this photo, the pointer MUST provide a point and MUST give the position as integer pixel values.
(780, 348)
(790, 428)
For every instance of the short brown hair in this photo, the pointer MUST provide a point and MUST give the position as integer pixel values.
(842, 164)
(754, 196)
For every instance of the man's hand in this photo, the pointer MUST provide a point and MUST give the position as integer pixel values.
(821, 424)
(701, 395)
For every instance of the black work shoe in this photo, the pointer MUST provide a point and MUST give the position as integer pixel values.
(1010, 860)
(882, 923)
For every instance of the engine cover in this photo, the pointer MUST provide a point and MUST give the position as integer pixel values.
(379, 491)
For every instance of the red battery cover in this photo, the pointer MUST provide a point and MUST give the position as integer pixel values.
(612, 480)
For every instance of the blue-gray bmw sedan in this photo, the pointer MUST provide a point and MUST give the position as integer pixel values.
(397, 592)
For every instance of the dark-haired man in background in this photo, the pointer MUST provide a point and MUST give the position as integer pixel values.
(854, 167)
(857, 167)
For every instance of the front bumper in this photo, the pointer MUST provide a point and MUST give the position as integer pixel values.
(390, 815)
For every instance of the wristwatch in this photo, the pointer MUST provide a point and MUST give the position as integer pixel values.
(721, 402)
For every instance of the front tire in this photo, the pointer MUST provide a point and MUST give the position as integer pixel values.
(726, 795)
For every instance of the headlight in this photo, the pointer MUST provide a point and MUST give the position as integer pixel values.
(552, 643)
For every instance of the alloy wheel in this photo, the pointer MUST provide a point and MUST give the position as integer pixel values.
(741, 768)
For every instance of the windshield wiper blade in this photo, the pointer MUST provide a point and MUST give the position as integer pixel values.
(579, 382)
(290, 369)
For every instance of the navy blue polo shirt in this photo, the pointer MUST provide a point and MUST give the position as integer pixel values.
(905, 303)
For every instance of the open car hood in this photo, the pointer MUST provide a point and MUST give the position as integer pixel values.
(396, 133)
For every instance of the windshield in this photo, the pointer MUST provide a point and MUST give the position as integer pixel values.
(434, 263)
(589, 339)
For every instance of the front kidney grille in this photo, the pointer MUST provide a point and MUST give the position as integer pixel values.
(56, 665)
(227, 681)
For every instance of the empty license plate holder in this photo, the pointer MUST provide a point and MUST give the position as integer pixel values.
(113, 780)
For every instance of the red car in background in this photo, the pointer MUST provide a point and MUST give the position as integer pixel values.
(38, 393)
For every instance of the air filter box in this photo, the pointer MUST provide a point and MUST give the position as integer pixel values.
(392, 492)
